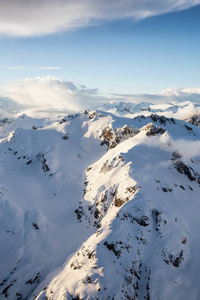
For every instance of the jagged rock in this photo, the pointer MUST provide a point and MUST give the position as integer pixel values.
(195, 120)
(152, 130)
(162, 119)
(113, 137)
(92, 114)
(176, 155)
(183, 169)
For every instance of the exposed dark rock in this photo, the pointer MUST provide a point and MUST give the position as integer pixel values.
(3, 282)
(170, 259)
(183, 169)
(147, 297)
(89, 279)
(88, 169)
(77, 297)
(182, 187)
(113, 137)
(35, 225)
(20, 297)
(184, 240)
(176, 262)
(112, 247)
(92, 115)
(143, 221)
(62, 121)
(188, 128)
(195, 120)
(104, 142)
(35, 280)
(5, 290)
(152, 130)
(161, 119)
(176, 155)
(79, 212)
(107, 133)
(96, 213)
(118, 201)
(65, 137)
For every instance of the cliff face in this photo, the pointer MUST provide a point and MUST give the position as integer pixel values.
(96, 206)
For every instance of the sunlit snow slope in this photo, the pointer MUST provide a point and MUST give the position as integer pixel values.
(99, 206)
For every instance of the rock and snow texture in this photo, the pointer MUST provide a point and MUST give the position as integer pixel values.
(99, 206)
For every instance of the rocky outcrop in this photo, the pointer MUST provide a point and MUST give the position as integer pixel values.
(111, 137)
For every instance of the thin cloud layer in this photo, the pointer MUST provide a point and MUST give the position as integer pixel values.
(33, 18)
(37, 68)
(169, 94)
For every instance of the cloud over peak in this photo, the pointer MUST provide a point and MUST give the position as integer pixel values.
(34, 18)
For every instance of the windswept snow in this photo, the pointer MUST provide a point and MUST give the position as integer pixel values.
(100, 205)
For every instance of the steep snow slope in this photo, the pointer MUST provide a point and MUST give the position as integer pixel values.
(97, 206)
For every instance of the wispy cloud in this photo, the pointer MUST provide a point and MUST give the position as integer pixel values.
(12, 67)
(47, 68)
(40, 68)
(30, 18)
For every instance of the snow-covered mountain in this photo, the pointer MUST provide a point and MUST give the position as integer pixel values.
(100, 205)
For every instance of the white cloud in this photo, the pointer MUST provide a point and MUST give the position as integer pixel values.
(180, 110)
(29, 18)
(188, 149)
(180, 92)
(187, 111)
(49, 94)
(45, 92)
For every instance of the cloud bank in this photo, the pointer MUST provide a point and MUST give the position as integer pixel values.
(47, 94)
(33, 18)
(168, 95)
(42, 94)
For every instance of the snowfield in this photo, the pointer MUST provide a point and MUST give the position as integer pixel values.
(101, 205)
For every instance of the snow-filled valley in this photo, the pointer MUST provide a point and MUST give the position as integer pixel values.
(101, 205)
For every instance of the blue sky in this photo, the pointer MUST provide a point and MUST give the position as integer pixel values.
(115, 54)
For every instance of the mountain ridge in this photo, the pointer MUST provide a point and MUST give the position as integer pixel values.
(99, 206)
